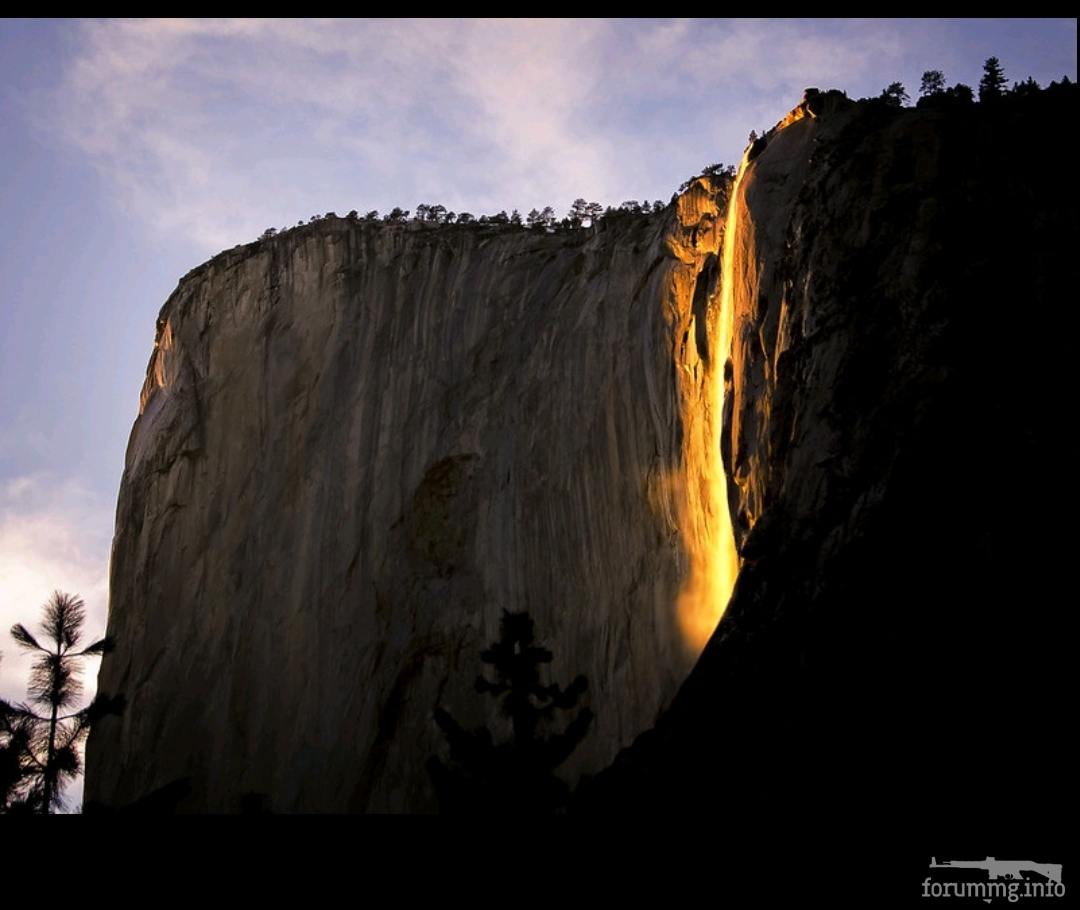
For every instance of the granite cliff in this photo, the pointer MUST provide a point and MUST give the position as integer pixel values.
(359, 443)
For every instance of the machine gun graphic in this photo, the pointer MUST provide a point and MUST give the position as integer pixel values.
(1002, 868)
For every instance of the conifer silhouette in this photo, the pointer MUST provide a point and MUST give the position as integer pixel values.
(993, 83)
(13, 741)
(42, 749)
(516, 776)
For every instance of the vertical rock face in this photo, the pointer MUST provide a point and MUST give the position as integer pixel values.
(357, 445)
(892, 431)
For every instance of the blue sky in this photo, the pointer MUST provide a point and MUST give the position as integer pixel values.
(132, 151)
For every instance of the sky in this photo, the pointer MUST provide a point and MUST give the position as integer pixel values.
(132, 151)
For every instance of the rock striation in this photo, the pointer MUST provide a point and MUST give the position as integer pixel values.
(358, 443)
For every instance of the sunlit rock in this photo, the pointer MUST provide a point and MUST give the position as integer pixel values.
(358, 444)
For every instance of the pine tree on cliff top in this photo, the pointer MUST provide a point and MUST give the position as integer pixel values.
(993, 83)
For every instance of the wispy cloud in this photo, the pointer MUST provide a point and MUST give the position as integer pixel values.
(216, 129)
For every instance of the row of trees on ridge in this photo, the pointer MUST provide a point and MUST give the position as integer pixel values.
(933, 92)
(581, 214)
(993, 87)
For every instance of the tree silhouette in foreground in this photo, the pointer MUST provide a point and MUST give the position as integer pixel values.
(43, 748)
(516, 776)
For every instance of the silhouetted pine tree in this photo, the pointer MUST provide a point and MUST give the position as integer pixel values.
(516, 776)
(46, 745)
(993, 83)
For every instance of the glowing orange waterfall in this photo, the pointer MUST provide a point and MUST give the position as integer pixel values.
(707, 531)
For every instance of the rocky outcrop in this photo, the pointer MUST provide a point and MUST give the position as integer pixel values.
(893, 438)
(358, 443)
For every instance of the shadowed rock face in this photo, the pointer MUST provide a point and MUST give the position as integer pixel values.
(358, 444)
(896, 643)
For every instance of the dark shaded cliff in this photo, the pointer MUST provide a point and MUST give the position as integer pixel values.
(898, 643)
